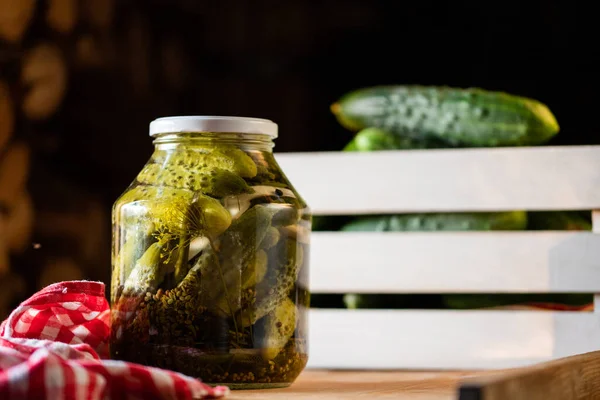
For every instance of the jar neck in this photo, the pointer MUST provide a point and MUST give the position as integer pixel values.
(244, 141)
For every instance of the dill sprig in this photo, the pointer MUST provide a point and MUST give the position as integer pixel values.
(179, 223)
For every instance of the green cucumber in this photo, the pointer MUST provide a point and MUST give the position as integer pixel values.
(514, 220)
(147, 274)
(279, 327)
(271, 238)
(285, 263)
(474, 301)
(238, 247)
(375, 139)
(357, 301)
(471, 117)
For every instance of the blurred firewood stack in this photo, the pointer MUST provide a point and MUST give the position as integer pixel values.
(79, 82)
(50, 229)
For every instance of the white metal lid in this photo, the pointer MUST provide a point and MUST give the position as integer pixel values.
(209, 123)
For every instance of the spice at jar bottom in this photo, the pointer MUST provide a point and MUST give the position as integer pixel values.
(241, 369)
(210, 257)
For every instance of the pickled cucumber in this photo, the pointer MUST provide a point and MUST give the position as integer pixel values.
(132, 249)
(238, 246)
(285, 216)
(281, 277)
(279, 326)
(174, 209)
(256, 270)
(236, 161)
(229, 158)
(147, 273)
(217, 171)
(213, 182)
(202, 216)
(271, 238)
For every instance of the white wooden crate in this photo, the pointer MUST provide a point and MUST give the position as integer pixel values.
(450, 180)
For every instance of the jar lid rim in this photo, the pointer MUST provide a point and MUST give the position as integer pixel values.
(213, 123)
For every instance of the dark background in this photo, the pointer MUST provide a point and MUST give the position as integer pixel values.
(282, 60)
(288, 61)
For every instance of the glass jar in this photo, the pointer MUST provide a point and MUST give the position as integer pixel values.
(210, 257)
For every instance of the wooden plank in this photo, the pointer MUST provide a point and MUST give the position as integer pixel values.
(458, 262)
(446, 339)
(537, 178)
(338, 385)
(576, 377)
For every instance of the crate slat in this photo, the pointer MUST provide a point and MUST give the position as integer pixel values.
(537, 178)
(455, 262)
(446, 339)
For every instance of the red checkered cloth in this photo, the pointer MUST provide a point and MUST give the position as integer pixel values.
(55, 346)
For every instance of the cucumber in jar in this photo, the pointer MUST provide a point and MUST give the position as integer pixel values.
(285, 263)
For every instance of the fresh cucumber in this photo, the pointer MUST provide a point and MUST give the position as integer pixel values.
(357, 301)
(470, 117)
(514, 220)
(375, 139)
(473, 301)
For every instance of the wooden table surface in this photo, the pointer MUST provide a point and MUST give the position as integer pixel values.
(329, 385)
(575, 377)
